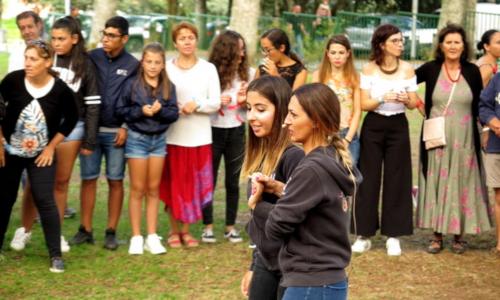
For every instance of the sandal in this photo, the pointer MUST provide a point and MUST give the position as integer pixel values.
(174, 240)
(188, 240)
(458, 246)
(436, 246)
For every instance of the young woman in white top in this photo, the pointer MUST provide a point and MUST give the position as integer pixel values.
(187, 180)
(228, 54)
(388, 87)
(338, 72)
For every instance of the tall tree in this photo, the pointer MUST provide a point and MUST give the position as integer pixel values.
(459, 12)
(104, 9)
(172, 7)
(244, 17)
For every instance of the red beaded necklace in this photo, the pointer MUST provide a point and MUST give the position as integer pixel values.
(448, 73)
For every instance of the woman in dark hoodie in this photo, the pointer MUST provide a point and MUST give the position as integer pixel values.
(312, 216)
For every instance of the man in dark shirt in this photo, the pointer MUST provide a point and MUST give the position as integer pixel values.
(114, 67)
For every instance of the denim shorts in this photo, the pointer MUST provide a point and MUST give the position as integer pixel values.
(90, 166)
(77, 134)
(141, 145)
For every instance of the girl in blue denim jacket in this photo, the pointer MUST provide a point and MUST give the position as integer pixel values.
(148, 105)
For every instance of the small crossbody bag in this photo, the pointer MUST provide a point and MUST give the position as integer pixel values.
(434, 128)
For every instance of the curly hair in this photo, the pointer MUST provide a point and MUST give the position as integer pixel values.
(225, 55)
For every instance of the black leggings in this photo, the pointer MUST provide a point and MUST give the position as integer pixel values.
(229, 142)
(42, 188)
(265, 284)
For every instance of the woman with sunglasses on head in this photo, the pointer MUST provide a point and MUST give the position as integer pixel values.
(268, 152)
(311, 218)
(41, 111)
(338, 72)
(228, 54)
(78, 72)
(279, 59)
(452, 198)
(388, 87)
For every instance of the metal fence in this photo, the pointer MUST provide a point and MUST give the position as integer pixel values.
(308, 33)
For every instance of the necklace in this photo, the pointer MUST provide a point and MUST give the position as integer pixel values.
(177, 63)
(390, 72)
(448, 73)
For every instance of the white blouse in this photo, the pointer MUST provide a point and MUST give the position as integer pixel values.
(379, 86)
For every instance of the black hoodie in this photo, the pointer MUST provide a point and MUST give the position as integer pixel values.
(312, 221)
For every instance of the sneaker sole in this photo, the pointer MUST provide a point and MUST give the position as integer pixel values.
(209, 241)
(56, 270)
(154, 253)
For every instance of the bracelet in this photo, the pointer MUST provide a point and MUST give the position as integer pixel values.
(348, 140)
(485, 129)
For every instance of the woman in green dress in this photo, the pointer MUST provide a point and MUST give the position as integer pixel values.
(452, 198)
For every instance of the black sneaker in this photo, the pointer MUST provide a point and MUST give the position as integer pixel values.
(69, 213)
(56, 265)
(82, 236)
(110, 241)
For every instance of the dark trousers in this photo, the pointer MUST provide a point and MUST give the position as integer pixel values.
(230, 143)
(265, 284)
(42, 187)
(385, 143)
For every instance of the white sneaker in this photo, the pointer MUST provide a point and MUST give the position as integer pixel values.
(233, 236)
(21, 238)
(64, 245)
(361, 245)
(153, 244)
(136, 245)
(208, 236)
(393, 247)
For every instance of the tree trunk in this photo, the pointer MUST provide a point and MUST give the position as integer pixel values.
(201, 22)
(459, 12)
(245, 15)
(104, 9)
(229, 5)
(277, 8)
(172, 7)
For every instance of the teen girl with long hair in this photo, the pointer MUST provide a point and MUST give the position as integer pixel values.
(338, 72)
(229, 56)
(269, 152)
(148, 105)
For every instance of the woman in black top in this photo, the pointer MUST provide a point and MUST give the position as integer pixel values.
(78, 72)
(40, 112)
(268, 152)
(279, 60)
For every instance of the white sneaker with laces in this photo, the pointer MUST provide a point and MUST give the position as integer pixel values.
(208, 236)
(21, 238)
(361, 245)
(136, 245)
(153, 244)
(393, 247)
(64, 245)
(233, 236)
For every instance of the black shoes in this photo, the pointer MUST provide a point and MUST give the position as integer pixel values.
(110, 241)
(82, 236)
(56, 265)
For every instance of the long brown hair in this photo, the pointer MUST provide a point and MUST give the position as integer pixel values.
(225, 55)
(163, 86)
(322, 106)
(263, 154)
(349, 71)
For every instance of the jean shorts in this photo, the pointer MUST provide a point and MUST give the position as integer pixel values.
(77, 134)
(90, 166)
(141, 145)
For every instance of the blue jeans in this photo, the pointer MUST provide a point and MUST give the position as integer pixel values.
(354, 146)
(90, 166)
(336, 291)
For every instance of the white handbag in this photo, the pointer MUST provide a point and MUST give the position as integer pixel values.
(434, 128)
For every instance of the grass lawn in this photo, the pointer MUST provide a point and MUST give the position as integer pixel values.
(214, 271)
